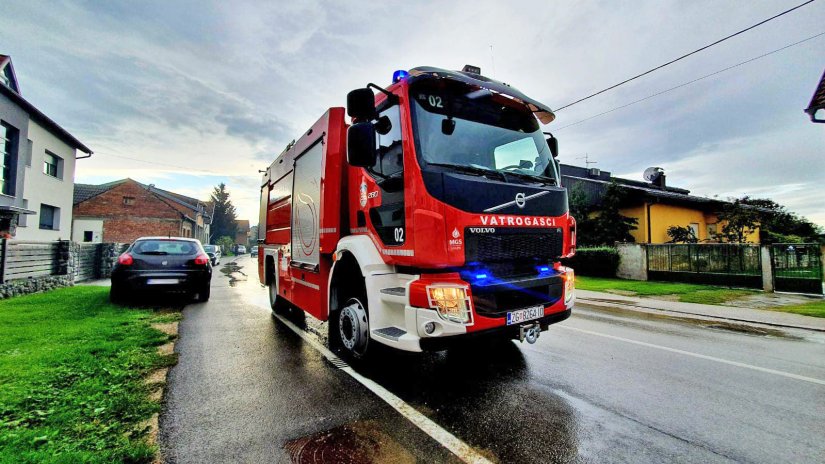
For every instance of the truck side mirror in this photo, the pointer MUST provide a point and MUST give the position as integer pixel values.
(553, 144)
(361, 144)
(361, 104)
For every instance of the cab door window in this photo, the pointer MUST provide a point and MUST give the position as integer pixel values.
(388, 172)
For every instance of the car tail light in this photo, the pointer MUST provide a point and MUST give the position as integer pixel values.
(201, 260)
(125, 259)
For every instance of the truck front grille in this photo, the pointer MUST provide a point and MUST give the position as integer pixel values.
(508, 244)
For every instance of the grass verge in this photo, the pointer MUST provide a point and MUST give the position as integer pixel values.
(686, 293)
(815, 309)
(72, 369)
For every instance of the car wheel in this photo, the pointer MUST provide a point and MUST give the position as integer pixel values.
(117, 294)
(203, 293)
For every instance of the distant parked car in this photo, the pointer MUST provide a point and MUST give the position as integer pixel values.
(254, 251)
(160, 264)
(240, 250)
(214, 252)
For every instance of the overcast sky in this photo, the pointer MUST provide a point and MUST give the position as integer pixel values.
(205, 92)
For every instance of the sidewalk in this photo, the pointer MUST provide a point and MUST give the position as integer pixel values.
(700, 311)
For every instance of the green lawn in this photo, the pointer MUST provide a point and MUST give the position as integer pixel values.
(687, 293)
(71, 378)
(816, 309)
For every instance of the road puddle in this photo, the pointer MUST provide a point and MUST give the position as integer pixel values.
(233, 271)
(360, 442)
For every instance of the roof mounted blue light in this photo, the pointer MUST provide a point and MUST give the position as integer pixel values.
(398, 75)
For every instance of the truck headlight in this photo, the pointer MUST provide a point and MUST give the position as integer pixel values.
(569, 286)
(451, 303)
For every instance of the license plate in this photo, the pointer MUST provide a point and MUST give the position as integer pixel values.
(162, 281)
(522, 315)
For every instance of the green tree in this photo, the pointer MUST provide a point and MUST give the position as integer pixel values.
(224, 215)
(777, 224)
(225, 243)
(608, 225)
(679, 234)
(740, 220)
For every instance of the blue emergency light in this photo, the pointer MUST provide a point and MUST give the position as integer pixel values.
(398, 75)
(481, 276)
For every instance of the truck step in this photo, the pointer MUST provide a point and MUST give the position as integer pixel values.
(393, 333)
(394, 295)
(394, 291)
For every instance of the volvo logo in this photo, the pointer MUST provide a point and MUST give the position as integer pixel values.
(520, 200)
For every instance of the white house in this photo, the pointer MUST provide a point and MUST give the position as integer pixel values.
(38, 165)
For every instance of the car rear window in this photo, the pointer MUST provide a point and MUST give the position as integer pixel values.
(209, 248)
(165, 247)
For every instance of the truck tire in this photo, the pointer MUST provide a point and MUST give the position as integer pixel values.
(276, 302)
(352, 328)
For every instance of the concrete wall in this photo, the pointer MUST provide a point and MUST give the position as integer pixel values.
(41, 188)
(632, 261)
(80, 226)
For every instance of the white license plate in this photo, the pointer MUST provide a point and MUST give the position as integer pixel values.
(162, 281)
(522, 315)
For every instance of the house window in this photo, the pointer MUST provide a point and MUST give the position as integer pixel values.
(712, 231)
(8, 151)
(49, 217)
(128, 201)
(53, 165)
(88, 235)
(694, 227)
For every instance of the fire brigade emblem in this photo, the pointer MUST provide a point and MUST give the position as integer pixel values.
(362, 196)
(456, 234)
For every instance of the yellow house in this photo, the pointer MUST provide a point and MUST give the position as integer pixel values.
(654, 205)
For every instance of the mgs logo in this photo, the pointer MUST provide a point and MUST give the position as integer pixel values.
(455, 242)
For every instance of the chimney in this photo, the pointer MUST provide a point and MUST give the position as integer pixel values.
(659, 181)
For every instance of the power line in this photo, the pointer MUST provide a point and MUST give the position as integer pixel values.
(188, 168)
(692, 81)
(683, 56)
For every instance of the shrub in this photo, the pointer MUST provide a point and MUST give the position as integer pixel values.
(595, 261)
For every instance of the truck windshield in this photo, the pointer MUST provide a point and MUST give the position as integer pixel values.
(483, 130)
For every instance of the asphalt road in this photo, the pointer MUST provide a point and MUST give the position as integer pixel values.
(600, 387)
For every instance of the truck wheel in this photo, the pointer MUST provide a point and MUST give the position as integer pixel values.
(276, 302)
(353, 332)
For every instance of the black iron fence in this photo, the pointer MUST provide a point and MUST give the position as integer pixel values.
(797, 267)
(734, 265)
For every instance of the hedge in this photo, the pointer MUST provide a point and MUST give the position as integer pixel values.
(595, 261)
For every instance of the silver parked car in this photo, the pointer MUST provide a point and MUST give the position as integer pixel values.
(214, 253)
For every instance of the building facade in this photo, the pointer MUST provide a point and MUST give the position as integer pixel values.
(655, 205)
(124, 210)
(38, 166)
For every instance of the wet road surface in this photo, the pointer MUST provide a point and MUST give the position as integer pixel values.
(600, 387)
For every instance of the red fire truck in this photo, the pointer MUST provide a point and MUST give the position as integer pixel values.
(437, 214)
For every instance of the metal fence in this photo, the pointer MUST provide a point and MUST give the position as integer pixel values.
(797, 267)
(735, 265)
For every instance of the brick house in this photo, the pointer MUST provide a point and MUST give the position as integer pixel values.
(123, 210)
(242, 232)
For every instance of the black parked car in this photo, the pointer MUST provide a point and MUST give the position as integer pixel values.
(161, 264)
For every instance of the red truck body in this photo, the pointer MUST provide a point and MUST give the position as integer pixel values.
(412, 252)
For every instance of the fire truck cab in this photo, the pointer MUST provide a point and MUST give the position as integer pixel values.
(436, 214)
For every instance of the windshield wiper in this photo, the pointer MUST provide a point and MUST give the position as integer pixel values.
(533, 177)
(471, 169)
